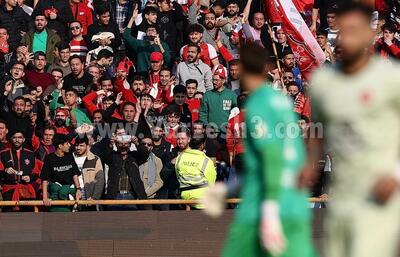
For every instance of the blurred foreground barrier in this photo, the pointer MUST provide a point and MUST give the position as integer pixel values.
(37, 203)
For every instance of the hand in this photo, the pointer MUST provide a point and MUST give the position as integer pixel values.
(8, 87)
(135, 13)
(113, 139)
(60, 84)
(158, 104)
(39, 91)
(22, 33)
(118, 100)
(384, 189)
(157, 40)
(324, 197)
(53, 16)
(27, 179)
(214, 200)
(307, 176)
(271, 233)
(78, 195)
(313, 28)
(234, 20)
(11, 171)
(103, 42)
(101, 92)
(47, 202)
(135, 140)
(388, 42)
(28, 57)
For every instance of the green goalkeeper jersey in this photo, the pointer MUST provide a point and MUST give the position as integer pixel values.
(275, 153)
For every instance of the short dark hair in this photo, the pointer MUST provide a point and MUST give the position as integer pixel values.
(105, 77)
(241, 100)
(76, 21)
(71, 90)
(59, 139)
(104, 53)
(50, 128)
(233, 62)
(109, 98)
(194, 45)
(390, 27)
(152, 26)
(138, 77)
(128, 103)
(254, 58)
(304, 117)
(98, 111)
(63, 45)
(322, 32)
(19, 63)
(75, 57)
(19, 98)
(354, 7)
(179, 89)
(58, 70)
(197, 140)
(183, 129)
(195, 28)
(199, 122)
(81, 139)
(191, 81)
(165, 68)
(4, 122)
(102, 9)
(147, 95)
(39, 53)
(17, 131)
(149, 9)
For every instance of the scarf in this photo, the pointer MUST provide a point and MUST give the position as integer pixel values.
(152, 172)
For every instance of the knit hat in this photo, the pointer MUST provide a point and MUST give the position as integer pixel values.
(220, 70)
(156, 57)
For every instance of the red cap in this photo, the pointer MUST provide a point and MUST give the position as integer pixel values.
(156, 57)
(62, 110)
(125, 64)
(220, 71)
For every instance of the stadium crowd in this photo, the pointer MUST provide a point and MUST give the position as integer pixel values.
(125, 99)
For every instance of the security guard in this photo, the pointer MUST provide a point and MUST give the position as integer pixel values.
(194, 170)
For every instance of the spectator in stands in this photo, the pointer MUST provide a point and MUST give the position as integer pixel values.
(60, 121)
(192, 102)
(388, 46)
(235, 132)
(94, 70)
(4, 46)
(332, 29)
(234, 76)
(41, 38)
(210, 31)
(282, 45)
(322, 39)
(149, 19)
(170, 20)
(14, 20)
(143, 48)
(301, 102)
(16, 118)
(78, 115)
(172, 124)
(17, 72)
(62, 60)
(207, 53)
(91, 180)
(287, 77)
(122, 12)
(81, 13)
(157, 61)
(218, 103)
(254, 31)
(124, 182)
(104, 32)
(166, 81)
(60, 175)
(78, 79)
(78, 43)
(58, 14)
(320, 9)
(39, 77)
(180, 104)
(4, 144)
(194, 68)
(161, 148)
(289, 64)
(45, 146)
(232, 19)
(18, 171)
(104, 60)
(194, 170)
(151, 169)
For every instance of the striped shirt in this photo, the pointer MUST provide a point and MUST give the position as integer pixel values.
(79, 47)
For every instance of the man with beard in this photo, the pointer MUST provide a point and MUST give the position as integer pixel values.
(132, 95)
(39, 77)
(18, 171)
(78, 115)
(78, 79)
(161, 148)
(60, 121)
(45, 145)
(194, 68)
(95, 99)
(234, 76)
(232, 18)
(17, 119)
(62, 59)
(211, 32)
(104, 60)
(17, 72)
(300, 101)
(41, 38)
(207, 52)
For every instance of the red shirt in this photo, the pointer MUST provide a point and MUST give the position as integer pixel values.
(83, 14)
(194, 107)
(235, 134)
(38, 79)
(207, 54)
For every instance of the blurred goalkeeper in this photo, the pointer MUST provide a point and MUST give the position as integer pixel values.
(273, 218)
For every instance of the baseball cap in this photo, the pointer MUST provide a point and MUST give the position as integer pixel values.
(156, 57)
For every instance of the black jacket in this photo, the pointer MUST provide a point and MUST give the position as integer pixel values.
(96, 28)
(64, 15)
(14, 21)
(114, 161)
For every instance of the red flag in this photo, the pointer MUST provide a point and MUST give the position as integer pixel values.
(272, 11)
(306, 50)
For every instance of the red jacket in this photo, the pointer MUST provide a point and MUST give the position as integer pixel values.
(386, 51)
(302, 105)
(194, 107)
(235, 134)
(83, 14)
(127, 94)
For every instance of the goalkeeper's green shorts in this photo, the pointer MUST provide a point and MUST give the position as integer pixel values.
(244, 241)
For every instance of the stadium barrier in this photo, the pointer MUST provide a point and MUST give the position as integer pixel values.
(187, 203)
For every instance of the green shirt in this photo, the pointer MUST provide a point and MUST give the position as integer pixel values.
(274, 155)
(39, 41)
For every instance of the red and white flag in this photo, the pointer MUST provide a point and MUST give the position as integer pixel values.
(307, 52)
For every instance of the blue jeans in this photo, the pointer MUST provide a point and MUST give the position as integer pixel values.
(125, 196)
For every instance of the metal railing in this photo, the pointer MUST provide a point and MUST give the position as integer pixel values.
(187, 203)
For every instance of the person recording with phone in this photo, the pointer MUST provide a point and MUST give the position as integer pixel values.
(143, 48)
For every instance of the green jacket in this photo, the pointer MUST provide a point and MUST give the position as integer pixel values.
(52, 40)
(216, 107)
(143, 49)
